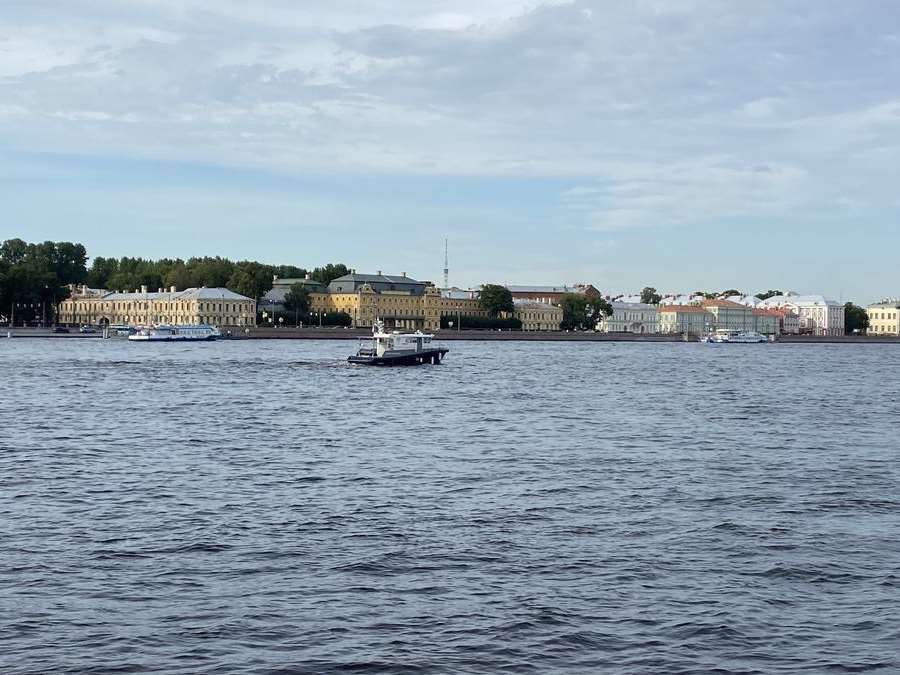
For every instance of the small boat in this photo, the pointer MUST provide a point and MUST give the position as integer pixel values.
(397, 349)
(724, 335)
(201, 333)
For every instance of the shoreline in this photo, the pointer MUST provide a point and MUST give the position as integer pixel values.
(467, 335)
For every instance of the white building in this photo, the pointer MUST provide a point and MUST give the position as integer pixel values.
(631, 317)
(818, 315)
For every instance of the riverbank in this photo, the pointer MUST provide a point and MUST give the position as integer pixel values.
(316, 333)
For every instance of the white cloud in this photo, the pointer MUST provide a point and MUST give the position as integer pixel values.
(660, 112)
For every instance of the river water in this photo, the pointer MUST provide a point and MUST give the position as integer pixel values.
(262, 507)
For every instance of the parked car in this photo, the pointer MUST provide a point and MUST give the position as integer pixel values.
(60, 329)
(87, 329)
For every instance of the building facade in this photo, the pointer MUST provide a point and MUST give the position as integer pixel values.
(884, 318)
(274, 298)
(817, 314)
(537, 315)
(685, 319)
(212, 306)
(552, 295)
(730, 315)
(401, 302)
(631, 317)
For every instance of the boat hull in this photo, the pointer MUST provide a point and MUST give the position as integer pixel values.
(175, 338)
(410, 359)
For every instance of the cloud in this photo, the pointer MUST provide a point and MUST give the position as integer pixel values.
(658, 112)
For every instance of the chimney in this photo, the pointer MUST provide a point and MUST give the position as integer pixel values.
(159, 290)
(172, 289)
(308, 276)
(404, 275)
(379, 272)
(144, 290)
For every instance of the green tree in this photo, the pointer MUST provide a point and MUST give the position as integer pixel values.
(768, 294)
(252, 279)
(180, 277)
(649, 296)
(289, 272)
(325, 275)
(729, 293)
(34, 276)
(583, 313)
(101, 271)
(496, 299)
(856, 319)
(296, 300)
(210, 272)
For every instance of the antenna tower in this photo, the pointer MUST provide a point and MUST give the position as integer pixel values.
(446, 265)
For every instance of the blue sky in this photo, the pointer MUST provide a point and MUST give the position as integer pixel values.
(684, 144)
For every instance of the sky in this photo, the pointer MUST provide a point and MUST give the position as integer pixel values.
(681, 144)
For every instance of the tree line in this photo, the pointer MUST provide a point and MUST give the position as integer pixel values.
(34, 277)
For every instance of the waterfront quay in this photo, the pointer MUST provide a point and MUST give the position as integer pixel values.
(338, 333)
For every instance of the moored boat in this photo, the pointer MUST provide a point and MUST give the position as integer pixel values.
(723, 335)
(200, 333)
(397, 349)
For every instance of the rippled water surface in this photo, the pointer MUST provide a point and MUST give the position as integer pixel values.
(262, 507)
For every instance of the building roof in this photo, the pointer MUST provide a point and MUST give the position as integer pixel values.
(885, 304)
(682, 309)
(187, 294)
(723, 304)
(618, 304)
(522, 303)
(378, 278)
(577, 288)
(800, 301)
(459, 294)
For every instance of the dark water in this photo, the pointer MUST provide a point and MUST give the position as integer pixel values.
(523, 508)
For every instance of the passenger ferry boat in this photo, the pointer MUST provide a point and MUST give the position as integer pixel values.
(199, 333)
(397, 349)
(733, 336)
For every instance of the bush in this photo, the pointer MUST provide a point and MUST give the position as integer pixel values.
(480, 323)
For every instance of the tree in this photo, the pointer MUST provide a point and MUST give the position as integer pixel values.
(729, 293)
(495, 299)
(210, 272)
(252, 279)
(289, 272)
(180, 277)
(102, 270)
(856, 319)
(35, 275)
(768, 294)
(649, 296)
(296, 300)
(583, 313)
(325, 275)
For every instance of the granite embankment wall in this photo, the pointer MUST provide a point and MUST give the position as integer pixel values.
(445, 335)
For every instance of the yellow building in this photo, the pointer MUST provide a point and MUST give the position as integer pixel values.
(538, 315)
(403, 302)
(685, 319)
(884, 318)
(398, 301)
(213, 306)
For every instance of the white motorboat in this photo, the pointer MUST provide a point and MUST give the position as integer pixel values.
(397, 349)
(724, 335)
(200, 333)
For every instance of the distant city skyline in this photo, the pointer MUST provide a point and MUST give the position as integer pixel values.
(686, 145)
